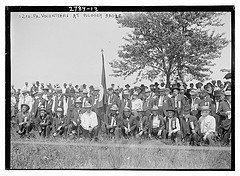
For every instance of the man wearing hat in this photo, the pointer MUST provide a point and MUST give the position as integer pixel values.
(194, 102)
(45, 92)
(37, 103)
(49, 104)
(205, 99)
(148, 102)
(129, 124)
(114, 122)
(136, 103)
(125, 101)
(152, 90)
(167, 102)
(64, 89)
(59, 125)
(25, 99)
(173, 127)
(13, 103)
(142, 124)
(85, 97)
(156, 124)
(127, 86)
(159, 101)
(190, 126)
(24, 120)
(70, 104)
(89, 123)
(59, 101)
(94, 99)
(207, 125)
(44, 122)
(73, 127)
(225, 112)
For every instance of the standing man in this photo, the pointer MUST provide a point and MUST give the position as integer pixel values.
(25, 99)
(194, 103)
(13, 103)
(125, 101)
(167, 102)
(148, 102)
(37, 103)
(59, 101)
(207, 125)
(136, 103)
(159, 102)
(89, 123)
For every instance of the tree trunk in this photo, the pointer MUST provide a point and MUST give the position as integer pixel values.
(168, 80)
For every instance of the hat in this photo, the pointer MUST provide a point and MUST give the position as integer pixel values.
(42, 108)
(49, 94)
(45, 88)
(142, 85)
(87, 105)
(110, 88)
(193, 92)
(175, 87)
(141, 110)
(204, 108)
(78, 100)
(125, 92)
(182, 88)
(25, 105)
(59, 110)
(170, 109)
(227, 93)
(218, 93)
(24, 91)
(167, 90)
(114, 108)
(135, 93)
(156, 84)
(96, 89)
(126, 109)
(187, 109)
(154, 108)
(147, 90)
(127, 85)
(58, 88)
(85, 91)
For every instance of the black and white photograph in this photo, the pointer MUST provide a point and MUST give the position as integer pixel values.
(114, 87)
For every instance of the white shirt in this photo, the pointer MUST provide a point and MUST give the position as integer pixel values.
(207, 124)
(13, 101)
(89, 120)
(177, 126)
(137, 104)
(156, 121)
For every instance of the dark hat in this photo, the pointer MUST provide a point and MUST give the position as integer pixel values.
(170, 109)
(151, 85)
(25, 105)
(110, 88)
(156, 84)
(142, 85)
(175, 86)
(127, 85)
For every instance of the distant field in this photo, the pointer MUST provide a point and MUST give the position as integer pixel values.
(61, 153)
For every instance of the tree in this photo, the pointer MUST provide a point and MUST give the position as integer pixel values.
(169, 43)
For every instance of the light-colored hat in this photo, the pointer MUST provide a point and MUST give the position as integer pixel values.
(126, 92)
(87, 105)
(193, 92)
(135, 93)
(126, 109)
(85, 91)
(96, 88)
(227, 93)
(114, 108)
(154, 108)
(59, 110)
(24, 91)
(204, 108)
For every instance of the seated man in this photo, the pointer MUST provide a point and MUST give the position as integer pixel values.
(24, 121)
(59, 125)
(89, 123)
(207, 125)
(142, 124)
(190, 126)
(73, 127)
(113, 124)
(44, 122)
(173, 127)
(129, 125)
(156, 124)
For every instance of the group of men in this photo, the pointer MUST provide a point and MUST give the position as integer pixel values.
(180, 115)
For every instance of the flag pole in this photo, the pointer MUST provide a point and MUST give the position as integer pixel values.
(103, 82)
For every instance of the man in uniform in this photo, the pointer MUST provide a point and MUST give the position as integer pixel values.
(125, 101)
(142, 124)
(24, 120)
(59, 125)
(167, 102)
(207, 125)
(136, 104)
(44, 122)
(159, 101)
(173, 127)
(194, 103)
(156, 124)
(190, 126)
(129, 124)
(148, 102)
(59, 101)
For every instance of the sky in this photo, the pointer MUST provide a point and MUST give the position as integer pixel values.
(68, 49)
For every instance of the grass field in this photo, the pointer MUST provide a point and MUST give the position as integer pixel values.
(90, 156)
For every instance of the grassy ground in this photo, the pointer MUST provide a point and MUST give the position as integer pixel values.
(42, 156)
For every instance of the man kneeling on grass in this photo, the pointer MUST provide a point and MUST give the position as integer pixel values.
(173, 127)
(89, 123)
(129, 124)
(142, 123)
(114, 122)
(207, 125)
(24, 121)
(44, 122)
(59, 123)
(156, 124)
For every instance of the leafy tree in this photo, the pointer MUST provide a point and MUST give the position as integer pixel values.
(169, 44)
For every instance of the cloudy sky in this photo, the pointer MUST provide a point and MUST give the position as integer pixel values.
(68, 48)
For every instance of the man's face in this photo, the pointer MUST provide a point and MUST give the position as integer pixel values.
(182, 91)
(126, 96)
(24, 109)
(219, 83)
(205, 113)
(88, 110)
(191, 85)
(42, 113)
(193, 96)
(154, 113)
(175, 92)
(140, 113)
(147, 94)
(202, 95)
(186, 113)
(59, 114)
(213, 82)
(26, 83)
(170, 114)
(84, 94)
(127, 113)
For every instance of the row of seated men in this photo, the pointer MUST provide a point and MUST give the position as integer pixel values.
(84, 122)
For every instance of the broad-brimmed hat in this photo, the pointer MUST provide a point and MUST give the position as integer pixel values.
(227, 93)
(26, 106)
(204, 108)
(170, 109)
(59, 110)
(126, 109)
(175, 86)
(114, 108)
(154, 108)
(96, 89)
(193, 92)
(87, 105)
(127, 85)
